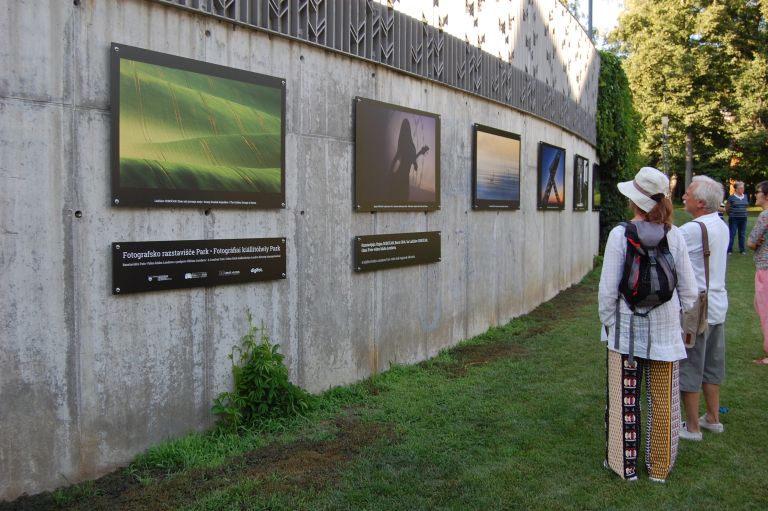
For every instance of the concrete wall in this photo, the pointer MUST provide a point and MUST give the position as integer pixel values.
(88, 380)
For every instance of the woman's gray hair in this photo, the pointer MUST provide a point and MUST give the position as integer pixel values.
(708, 191)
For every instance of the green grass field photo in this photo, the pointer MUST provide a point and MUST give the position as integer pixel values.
(181, 130)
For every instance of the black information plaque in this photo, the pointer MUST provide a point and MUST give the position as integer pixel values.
(381, 251)
(140, 266)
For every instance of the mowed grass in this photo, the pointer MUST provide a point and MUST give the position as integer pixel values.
(185, 130)
(511, 419)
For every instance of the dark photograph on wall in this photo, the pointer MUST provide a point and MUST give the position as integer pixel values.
(596, 187)
(496, 169)
(551, 187)
(580, 183)
(190, 133)
(397, 158)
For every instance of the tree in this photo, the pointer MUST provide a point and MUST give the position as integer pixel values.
(618, 134)
(699, 62)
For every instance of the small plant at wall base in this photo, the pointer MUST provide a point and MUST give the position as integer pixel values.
(262, 391)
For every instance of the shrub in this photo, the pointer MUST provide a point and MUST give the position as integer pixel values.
(262, 391)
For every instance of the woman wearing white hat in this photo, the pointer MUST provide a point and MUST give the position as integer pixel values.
(644, 344)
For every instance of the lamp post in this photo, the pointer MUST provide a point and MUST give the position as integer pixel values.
(665, 144)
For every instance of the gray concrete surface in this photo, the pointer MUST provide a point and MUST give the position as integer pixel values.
(88, 380)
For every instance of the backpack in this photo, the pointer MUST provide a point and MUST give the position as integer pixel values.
(649, 276)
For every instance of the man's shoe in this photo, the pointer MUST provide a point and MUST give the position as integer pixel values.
(689, 435)
(714, 428)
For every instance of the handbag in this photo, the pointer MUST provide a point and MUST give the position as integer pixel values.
(694, 320)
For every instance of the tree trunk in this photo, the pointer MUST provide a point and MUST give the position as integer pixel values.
(688, 158)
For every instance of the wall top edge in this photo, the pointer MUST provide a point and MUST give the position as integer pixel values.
(543, 84)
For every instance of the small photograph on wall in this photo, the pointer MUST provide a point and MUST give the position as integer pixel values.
(551, 187)
(397, 158)
(580, 183)
(190, 133)
(496, 169)
(596, 187)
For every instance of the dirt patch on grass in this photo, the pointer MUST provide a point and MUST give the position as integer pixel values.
(479, 354)
(278, 468)
(504, 343)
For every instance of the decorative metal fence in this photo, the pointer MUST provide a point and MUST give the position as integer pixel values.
(378, 33)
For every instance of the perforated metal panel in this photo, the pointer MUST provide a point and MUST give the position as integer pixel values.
(375, 32)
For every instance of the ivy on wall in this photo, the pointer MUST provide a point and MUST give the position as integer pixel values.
(619, 129)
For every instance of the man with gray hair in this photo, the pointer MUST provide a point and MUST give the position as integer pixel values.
(704, 369)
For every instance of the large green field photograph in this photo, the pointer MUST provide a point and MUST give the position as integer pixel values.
(186, 137)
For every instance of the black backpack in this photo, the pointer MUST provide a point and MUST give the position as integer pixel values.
(649, 276)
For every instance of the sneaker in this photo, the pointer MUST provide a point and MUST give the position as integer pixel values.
(714, 428)
(656, 480)
(689, 435)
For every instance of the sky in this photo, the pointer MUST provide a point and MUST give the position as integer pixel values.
(605, 13)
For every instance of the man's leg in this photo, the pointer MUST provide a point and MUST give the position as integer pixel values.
(712, 397)
(691, 405)
(691, 373)
(713, 374)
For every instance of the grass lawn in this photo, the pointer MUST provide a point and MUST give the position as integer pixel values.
(512, 419)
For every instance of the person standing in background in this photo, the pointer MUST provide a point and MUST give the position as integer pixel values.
(736, 208)
(704, 368)
(757, 243)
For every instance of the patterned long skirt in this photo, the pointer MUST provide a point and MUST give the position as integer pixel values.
(623, 417)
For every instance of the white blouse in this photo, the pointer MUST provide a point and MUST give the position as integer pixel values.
(660, 330)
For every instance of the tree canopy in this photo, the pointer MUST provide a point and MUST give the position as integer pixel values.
(704, 64)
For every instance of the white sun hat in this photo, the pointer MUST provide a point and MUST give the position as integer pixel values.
(647, 189)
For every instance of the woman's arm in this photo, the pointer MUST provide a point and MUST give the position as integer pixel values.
(613, 262)
(757, 234)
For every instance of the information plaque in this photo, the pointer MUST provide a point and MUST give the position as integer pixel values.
(141, 266)
(381, 251)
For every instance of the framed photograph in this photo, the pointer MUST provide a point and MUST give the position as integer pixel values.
(190, 133)
(551, 187)
(580, 183)
(596, 187)
(397, 158)
(495, 169)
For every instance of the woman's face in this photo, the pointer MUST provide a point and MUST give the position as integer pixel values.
(759, 199)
